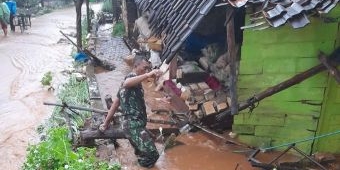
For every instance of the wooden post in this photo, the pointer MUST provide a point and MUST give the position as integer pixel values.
(88, 15)
(78, 4)
(232, 54)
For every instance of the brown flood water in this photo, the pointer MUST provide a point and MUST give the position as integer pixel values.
(198, 151)
(24, 59)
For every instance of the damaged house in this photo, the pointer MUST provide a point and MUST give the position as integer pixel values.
(272, 56)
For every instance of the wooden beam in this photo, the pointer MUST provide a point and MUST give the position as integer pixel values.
(117, 133)
(88, 16)
(233, 59)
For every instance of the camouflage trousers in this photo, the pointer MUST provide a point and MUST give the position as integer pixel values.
(145, 148)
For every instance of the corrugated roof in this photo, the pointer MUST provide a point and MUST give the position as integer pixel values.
(279, 12)
(175, 19)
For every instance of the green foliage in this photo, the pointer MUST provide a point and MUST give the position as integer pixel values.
(107, 6)
(73, 93)
(47, 78)
(118, 29)
(56, 153)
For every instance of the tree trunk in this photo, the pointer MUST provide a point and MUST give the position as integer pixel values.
(78, 4)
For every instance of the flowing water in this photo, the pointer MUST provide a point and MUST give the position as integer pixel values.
(25, 58)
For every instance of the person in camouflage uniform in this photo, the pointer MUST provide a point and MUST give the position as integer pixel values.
(130, 98)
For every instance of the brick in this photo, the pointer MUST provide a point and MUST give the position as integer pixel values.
(203, 85)
(209, 94)
(199, 98)
(222, 107)
(193, 107)
(208, 108)
(193, 86)
(244, 129)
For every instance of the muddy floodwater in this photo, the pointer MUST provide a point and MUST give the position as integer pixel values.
(25, 58)
(196, 151)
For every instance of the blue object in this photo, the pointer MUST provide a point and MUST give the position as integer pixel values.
(195, 42)
(12, 6)
(81, 57)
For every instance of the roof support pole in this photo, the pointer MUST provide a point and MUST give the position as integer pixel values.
(232, 52)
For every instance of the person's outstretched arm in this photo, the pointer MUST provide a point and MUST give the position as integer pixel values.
(111, 112)
(133, 81)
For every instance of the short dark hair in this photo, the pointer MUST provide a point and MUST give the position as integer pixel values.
(138, 60)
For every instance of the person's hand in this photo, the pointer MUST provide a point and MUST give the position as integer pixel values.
(155, 72)
(103, 127)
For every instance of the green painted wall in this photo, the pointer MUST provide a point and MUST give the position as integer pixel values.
(310, 108)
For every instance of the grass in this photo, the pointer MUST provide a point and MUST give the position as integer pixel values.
(118, 29)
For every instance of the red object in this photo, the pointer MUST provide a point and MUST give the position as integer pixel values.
(172, 86)
(213, 83)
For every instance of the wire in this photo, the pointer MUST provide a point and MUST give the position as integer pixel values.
(300, 141)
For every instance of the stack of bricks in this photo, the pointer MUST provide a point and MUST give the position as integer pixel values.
(204, 101)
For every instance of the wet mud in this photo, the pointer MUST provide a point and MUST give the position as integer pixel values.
(25, 58)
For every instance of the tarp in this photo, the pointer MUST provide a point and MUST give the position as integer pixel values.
(4, 12)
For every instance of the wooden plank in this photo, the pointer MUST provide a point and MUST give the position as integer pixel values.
(291, 94)
(303, 64)
(244, 129)
(304, 122)
(268, 80)
(279, 50)
(255, 140)
(251, 66)
(260, 119)
(286, 108)
(273, 65)
(268, 131)
(232, 53)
